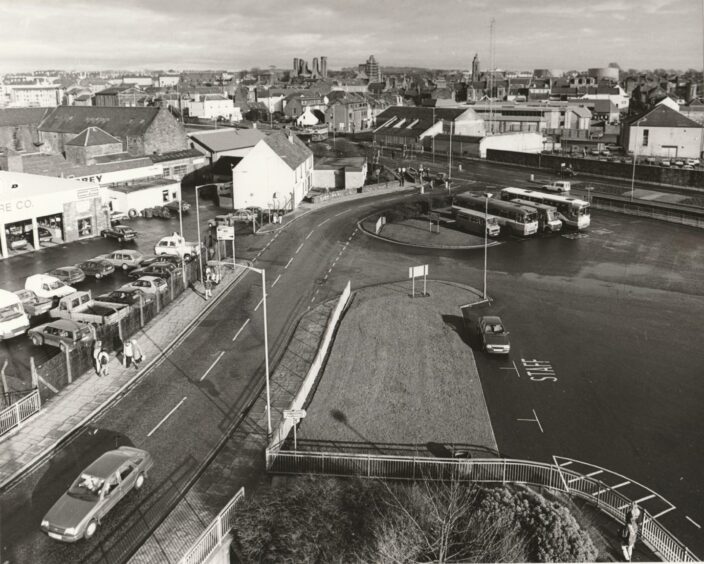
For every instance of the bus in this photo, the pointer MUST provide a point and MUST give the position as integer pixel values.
(514, 218)
(547, 215)
(477, 222)
(573, 212)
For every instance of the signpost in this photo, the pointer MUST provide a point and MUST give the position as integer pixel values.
(227, 233)
(295, 415)
(414, 271)
(434, 216)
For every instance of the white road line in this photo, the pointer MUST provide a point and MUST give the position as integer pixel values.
(212, 366)
(312, 299)
(309, 234)
(323, 222)
(697, 525)
(260, 303)
(538, 421)
(346, 211)
(514, 367)
(325, 277)
(275, 281)
(166, 417)
(240, 330)
(288, 263)
(329, 270)
(298, 250)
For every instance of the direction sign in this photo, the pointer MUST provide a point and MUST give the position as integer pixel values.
(434, 216)
(421, 270)
(226, 233)
(294, 414)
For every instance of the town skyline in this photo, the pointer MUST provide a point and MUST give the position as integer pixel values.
(131, 35)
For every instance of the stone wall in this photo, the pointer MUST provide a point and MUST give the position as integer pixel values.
(164, 134)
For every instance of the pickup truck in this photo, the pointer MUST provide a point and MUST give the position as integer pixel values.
(175, 245)
(560, 186)
(80, 306)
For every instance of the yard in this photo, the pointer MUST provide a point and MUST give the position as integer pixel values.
(401, 377)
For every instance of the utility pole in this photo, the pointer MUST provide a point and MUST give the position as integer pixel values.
(492, 68)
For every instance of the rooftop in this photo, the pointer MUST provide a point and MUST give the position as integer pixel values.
(117, 121)
(294, 152)
(93, 136)
(227, 139)
(335, 163)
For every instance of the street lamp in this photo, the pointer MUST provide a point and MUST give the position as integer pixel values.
(200, 248)
(180, 212)
(635, 154)
(487, 195)
(449, 166)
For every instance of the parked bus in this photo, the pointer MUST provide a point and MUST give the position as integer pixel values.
(519, 220)
(548, 219)
(573, 212)
(477, 222)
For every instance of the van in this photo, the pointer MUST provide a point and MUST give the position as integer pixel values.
(13, 319)
(46, 286)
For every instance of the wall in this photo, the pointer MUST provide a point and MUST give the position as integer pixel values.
(85, 155)
(259, 176)
(164, 134)
(524, 142)
(687, 142)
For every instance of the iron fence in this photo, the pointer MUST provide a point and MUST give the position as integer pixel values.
(18, 412)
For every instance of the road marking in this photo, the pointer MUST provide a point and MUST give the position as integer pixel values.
(514, 367)
(288, 263)
(326, 276)
(212, 366)
(240, 331)
(275, 281)
(169, 414)
(346, 211)
(329, 270)
(534, 420)
(259, 304)
(298, 250)
(312, 299)
(309, 234)
(323, 222)
(697, 525)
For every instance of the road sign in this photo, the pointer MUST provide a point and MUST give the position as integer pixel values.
(421, 270)
(294, 414)
(434, 216)
(226, 233)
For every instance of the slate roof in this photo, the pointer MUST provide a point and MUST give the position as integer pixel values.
(176, 155)
(663, 116)
(57, 165)
(117, 121)
(337, 163)
(219, 140)
(602, 106)
(12, 117)
(92, 136)
(293, 154)
(424, 117)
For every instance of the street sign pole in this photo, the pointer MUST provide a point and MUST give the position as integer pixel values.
(233, 252)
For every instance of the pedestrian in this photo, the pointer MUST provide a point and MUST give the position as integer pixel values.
(208, 287)
(127, 354)
(103, 359)
(633, 512)
(628, 535)
(97, 345)
(137, 354)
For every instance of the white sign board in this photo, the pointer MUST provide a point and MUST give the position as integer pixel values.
(295, 414)
(226, 233)
(421, 270)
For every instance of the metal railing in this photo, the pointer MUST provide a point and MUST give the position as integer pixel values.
(605, 497)
(212, 538)
(18, 412)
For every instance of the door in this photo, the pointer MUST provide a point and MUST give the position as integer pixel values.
(110, 495)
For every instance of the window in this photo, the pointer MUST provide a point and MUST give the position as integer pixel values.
(180, 170)
(645, 137)
(164, 195)
(167, 172)
(85, 227)
(126, 472)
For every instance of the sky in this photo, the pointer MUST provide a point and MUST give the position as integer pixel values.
(239, 34)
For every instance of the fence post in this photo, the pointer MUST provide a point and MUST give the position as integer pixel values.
(141, 310)
(17, 413)
(67, 357)
(33, 370)
(171, 287)
(2, 374)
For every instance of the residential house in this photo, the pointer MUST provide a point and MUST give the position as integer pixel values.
(663, 132)
(213, 106)
(123, 96)
(295, 104)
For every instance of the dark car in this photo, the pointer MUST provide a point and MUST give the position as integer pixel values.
(493, 335)
(62, 333)
(95, 492)
(97, 268)
(173, 206)
(128, 297)
(171, 259)
(120, 232)
(68, 274)
(45, 236)
(161, 269)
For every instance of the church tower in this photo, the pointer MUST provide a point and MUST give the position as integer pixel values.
(475, 68)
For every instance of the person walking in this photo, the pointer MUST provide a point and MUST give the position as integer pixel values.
(103, 359)
(633, 512)
(97, 345)
(137, 354)
(208, 284)
(628, 535)
(127, 354)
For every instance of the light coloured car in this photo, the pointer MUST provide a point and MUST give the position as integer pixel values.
(77, 513)
(62, 333)
(33, 304)
(692, 162)
(148, 284)
(124, 258)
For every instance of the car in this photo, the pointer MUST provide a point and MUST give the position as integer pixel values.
(664, 162)
(34, 305)
(45, 235)
(148, 284)
(651, 160)
(678, 163)
(68, 274)
(124, 258)
(161, 269)
(687, 167)
(256, 210)
(97, 268)
(174, 205)
(595, 152)
(606, 153)
(493, 334)
(117, 216)
(243, 215)
(692, 162)
(62, 333)
(120, 232)
(78, 512)
(128, 297)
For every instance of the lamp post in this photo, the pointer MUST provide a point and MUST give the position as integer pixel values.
(180, 212)
(487, 195)
(449, 166)
(200, 248)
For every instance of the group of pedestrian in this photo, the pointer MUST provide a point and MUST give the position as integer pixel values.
(629, 531)
(131, 355)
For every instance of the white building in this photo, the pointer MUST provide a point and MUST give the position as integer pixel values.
(134, 197)
(168, 80)
(139, 80)
(336, 173)
(230, 142)
(308, 117)
(276, 173)
(213, 106)
(663, 132)
(35, 96)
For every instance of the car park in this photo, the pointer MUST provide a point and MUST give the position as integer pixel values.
(148, 284)
(128, 297)
(33, 304)
(78, 512)
(124, 258)
(120, 232)
(493, 334)
(62, 333)
(97, 268)
(68, 274)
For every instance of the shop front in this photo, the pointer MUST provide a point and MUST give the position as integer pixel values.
(38, 211)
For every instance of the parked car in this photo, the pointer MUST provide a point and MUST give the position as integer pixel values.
(45, 235)
(68, 274)
(95, 492)
(493, 335)
(687, 167)
(128, 297)
(120, 232)
(665, 162)
(160, 269)
(177, 246)
(148, 284)
(651, 160)
(243, 215)
(124, 258)
(97, 268)
(46, 286)
(33, 304)
(117, 216)
(174, 205)
(692, 162)
(62, 333)
(678, 162)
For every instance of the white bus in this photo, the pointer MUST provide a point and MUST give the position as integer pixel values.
(514, 218)
(573, 212)
(548, 219)
(477, 222)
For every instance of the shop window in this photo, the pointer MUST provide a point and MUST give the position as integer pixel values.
(164, 195)
(85, 227)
